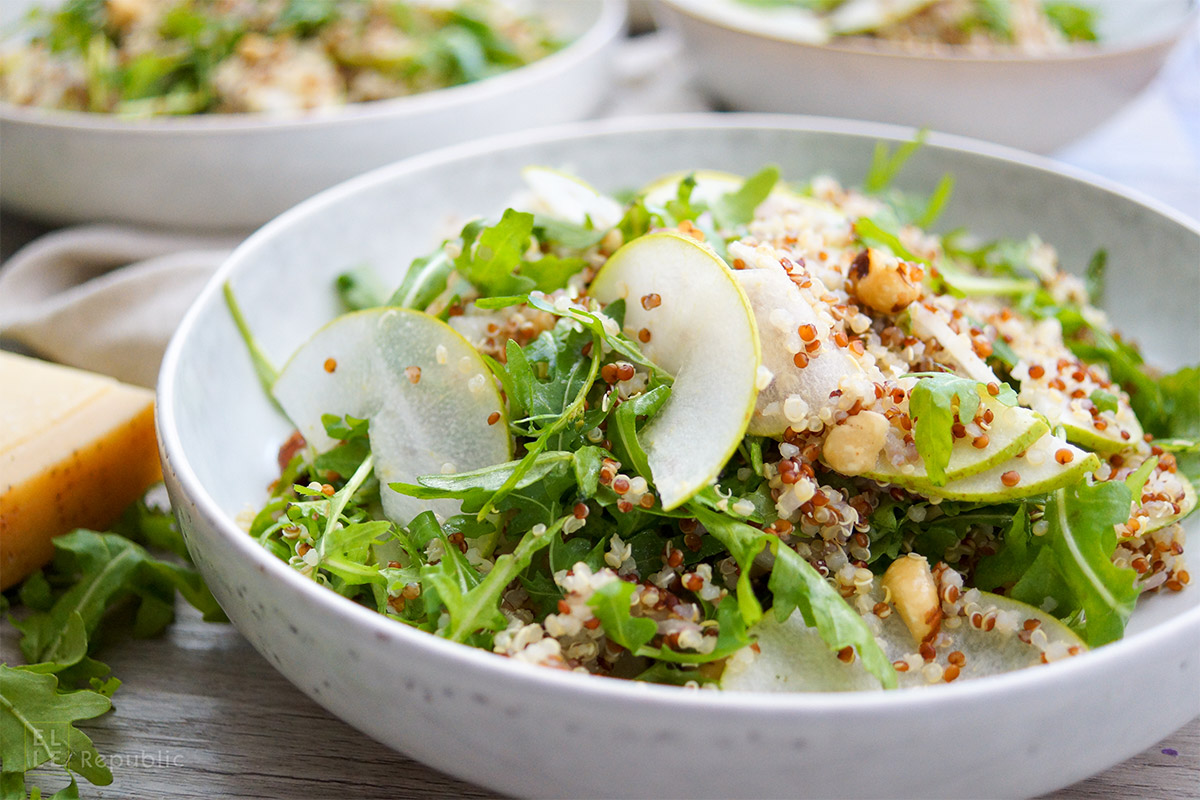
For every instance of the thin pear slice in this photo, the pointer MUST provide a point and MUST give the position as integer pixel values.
(1036, 471)
(427, 393)
(1013, 430)
(780, 308)
(1186, 506)
(1121, 428)
(570, 199)
(792, 657)
(702, 331)
(928, 325)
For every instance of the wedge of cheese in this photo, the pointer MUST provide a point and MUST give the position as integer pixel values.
(75, 450)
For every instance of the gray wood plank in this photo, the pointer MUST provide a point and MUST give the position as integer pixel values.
(202, 715)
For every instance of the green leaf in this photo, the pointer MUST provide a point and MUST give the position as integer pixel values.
(625, 419)
(934, 403)
(873, 233)
(795, 584)
(491, 255)
(425, 280)
(1094, 277)
(478, 607)
(610, 604)
(736, 208)
(1077, 22)
(487, 479)
(587, 463)
(885, 165)
(263, 368)
(37, 725)
(1082, 535)
(937, 202)
(360, 288)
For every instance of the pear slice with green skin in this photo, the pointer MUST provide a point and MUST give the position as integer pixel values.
(779, 309)
(1060, 409)
(1037, 471)
(702, 332)
(1186, 506)
(565, 197)
(792, 657)
(864, 16)
(422, 423)
(1013, 430)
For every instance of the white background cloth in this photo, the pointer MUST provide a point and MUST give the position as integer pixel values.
(107, 298)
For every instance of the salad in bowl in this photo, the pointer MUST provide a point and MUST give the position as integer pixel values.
(735, 432)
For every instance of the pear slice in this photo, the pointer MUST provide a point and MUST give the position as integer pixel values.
(701, 330)
(1121, 428)
(427, 393)
(570, 199)
(1186, 506)
(864, 16)
(780, 308)
(1036, 471)
(1013, 430)
(928, 325)
(792, 657)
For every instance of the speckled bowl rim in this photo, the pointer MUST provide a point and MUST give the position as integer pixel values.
(245, 548)
(949, 54)
(608, 26)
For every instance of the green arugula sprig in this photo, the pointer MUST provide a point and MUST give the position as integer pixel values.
(69, 605)
(935, 402)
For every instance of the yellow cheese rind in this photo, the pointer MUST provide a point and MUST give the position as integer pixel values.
(81, 471)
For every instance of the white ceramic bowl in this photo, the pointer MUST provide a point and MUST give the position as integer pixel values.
(236, 171)
(535, 731)
(749, 63)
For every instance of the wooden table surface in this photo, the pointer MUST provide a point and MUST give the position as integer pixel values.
(202, 715)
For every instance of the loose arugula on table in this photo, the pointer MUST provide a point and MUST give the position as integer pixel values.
(63, 614)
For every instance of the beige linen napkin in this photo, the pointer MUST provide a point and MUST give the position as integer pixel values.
(105, 298)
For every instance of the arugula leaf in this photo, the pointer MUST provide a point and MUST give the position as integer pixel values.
(263, 368)
(425, 280)
(610, 604)
(37, 725)
(871, 232)
(736, 208)
(937, 202)
(360, 288)
(1094, 277)
(934, 409)
(1083, 538)
(478, 606)
(886, 165)
(625, 418)
(1077, 22)
(491, 255)
(796, 585)
(104, 569)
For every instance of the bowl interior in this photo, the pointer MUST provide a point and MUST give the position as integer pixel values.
(221, 432)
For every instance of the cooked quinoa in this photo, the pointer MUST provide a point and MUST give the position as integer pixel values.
(161, 57)
(862, 314)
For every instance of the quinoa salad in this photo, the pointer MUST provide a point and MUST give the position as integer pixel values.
(167, 57)
(1026, 27)
(738, 433)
